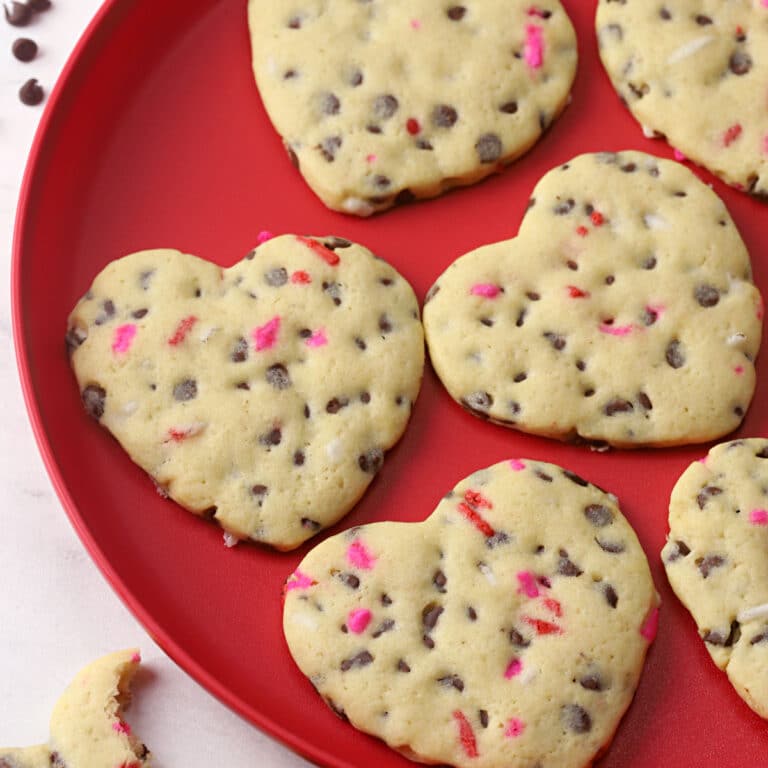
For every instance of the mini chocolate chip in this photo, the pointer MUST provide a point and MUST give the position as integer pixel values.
(402, 666)
(613, 547)
(18, 15)
(31, 93)
(471, 613)
(617, 405)
(289, 74)
(385, 626)
(649, 316)
(276, 277)
(332, 243)
(649, 263)
(334, 405)
(444, 116)
(373, 129)
(706, 564)
(334, 291)
(294, 22)
(298, 458)
(428, 641)
(305, 333)
(591, 682)
(139, 313)
(94, 400)
(362, 659)
(424, 144)
(645, 401)
(520, 377)
(703, 20)
(329, 146)
(456, 12)
(359, 343)
(273, 437)
(665, 14)
(521, 318)
(371, 461)
(385, 106)
(740, 63)
(531, 203)
(56, 761)
(365, 398)
(675, 355)
(738, 411)
(706, 493)
(24, 49)
(439, 580)
(683, 550)
(487, 322)
(488, 148)
(292, 156)
(430, 615)
(452, 681)
(574, 478)
(564, 207)
(312, 525)
(556, 340)
(759, 638)
(498, 538)
(478, 402)
(386, 599)
(598, 515)
(385, 325)
(610, 280)
(356, 78)
(185, 390)
(240, 351)
(508, 107)
(483, 717)
(576, 718)
(589, 392)
(581, 365)
(610, 596)
(543, 476)
(533, 296)
(108, 312)
(565, 567)
(277, 375)
(707, 295)
(629, 168)
(74, 338)
(517, 639)
(762, 453)
(330, 104)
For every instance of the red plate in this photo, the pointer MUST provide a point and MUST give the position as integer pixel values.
(156, 137)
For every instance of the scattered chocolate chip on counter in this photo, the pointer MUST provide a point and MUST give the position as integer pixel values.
(24, 49)
(31, 93)
(17, 14)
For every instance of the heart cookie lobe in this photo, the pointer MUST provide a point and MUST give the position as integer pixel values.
(624, 311)
(697, 74)
(375, 107)
(264, 395)
(508, 628)
(715, 558)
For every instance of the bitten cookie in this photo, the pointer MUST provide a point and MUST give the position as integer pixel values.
(263, 395)
(624, 312)
(695, 72)
(87, 730)
(509, 628)
(383, 102)
(715, 557)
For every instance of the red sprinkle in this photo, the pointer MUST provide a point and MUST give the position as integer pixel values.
(731, 135)
(582, 231)
(412, 126)
(177, 435)
(553, 606)
(476, 499)
(182, 329)
(543, 627)
(466, 734)
(476, 520)
(301, 277)
(597, 218)
(326, 254)
(577, 293)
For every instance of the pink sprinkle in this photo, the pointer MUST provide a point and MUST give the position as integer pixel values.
(514, 668)
(358, 620)
(678, 155)
(616, 330)
(516, 465)
(527, 584)
(263, 236)
(265, 336)
(317, 339)
(487, 290)
(515, 728)
(650, 625)
(123, 338)
(533, 53)
(765, 3)
(553, 606)
(121, 727)
(300, 581)
(758, 517)
(359, 555)
(300, 277)
(732, 134)
(415, 24)
(136, 658)
(703, 460)
(370, 158)
(738, 370)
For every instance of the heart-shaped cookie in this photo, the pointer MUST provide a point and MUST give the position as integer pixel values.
(716, 562)
(696, 73)
(263, 395)
(382, 102)
(623, 312)
(509, 628)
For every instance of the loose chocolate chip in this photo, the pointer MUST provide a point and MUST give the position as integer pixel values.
(565, 567)
(385, 106)
(335, 404)
(276, 277)
(385, 626)
(703, 20)
(610, 596)
(185, 390)
(508, 107)
(556, 340)
(312, 525)
(483, 716)
(706, 564)
(430, 615)
(329, 146)
(371, 461)
(298, 458)
(18, 14)
(362, 659)
(517, 639)
(31, 93)
(471, 613)
(402, 666)
(452, 681)
(645, 401)
(564, 207)
(439, 580)
(543, 476)
(598, 515)
(675, 355)
(94, 398)
(591, 682)
(330, 104)
(24, 49)
(273, 437)
(707, 295)
(740, 63)
(478, 402)
(574, 478)
(277, 375)
(360, 344)
(614, 547)
(74, 338)
(617, 405)
(488, 148)
(444, 116)
(576, 718)
(706, 493)
(456, 12)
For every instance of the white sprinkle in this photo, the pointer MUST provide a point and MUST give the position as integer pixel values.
(758, 612)
(654, 221)
(335, 450)
(129, 408)
(691, 47)
(528, 675)
(649, 133)
(736, 339)
(271, 65)
(230, 540)
(488, 573)
(206, 333)
(304, 621)
(357, 206)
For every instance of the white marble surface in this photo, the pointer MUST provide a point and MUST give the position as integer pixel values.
(56, 611)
